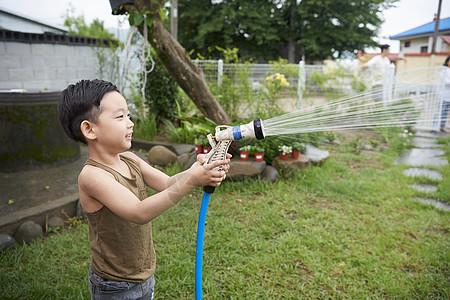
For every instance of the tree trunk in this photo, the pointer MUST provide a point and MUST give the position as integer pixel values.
(179, 64)
(292, 43)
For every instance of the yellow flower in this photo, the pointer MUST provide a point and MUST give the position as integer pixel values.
(269, 78)
(284, 82)
(279, 76)
(10, 201)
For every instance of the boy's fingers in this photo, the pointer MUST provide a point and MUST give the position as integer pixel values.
(218, 163)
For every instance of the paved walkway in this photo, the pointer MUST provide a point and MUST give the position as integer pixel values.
(427, 153)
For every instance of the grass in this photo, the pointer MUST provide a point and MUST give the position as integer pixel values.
(345, 230)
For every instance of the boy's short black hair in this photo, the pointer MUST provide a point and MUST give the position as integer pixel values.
(79, 102)
(385, 46)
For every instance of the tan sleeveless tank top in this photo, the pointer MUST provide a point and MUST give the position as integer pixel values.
(121, 250)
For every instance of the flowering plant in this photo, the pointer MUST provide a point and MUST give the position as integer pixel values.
(259, 149)
(299, 146)
(245, 148)
(278, 77)
(285, 149)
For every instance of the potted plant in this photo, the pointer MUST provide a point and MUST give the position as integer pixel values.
(259, 154)
(198, 145)
(244, 152)
(297, 148)
(284, 152)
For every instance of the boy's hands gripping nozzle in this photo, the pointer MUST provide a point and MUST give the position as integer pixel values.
(223, 139)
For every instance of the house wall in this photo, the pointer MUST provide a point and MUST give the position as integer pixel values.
(39, 62)
(420, 61)
(415, 45)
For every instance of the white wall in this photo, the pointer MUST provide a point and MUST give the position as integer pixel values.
(39, 66)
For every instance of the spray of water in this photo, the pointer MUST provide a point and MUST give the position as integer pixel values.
(361, 111)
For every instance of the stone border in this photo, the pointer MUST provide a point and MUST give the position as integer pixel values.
(10, 223)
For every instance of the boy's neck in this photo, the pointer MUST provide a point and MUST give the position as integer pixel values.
(104, 157)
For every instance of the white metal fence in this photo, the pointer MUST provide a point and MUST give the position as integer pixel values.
(423, 86)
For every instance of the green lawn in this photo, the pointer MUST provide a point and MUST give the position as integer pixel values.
(345, 230)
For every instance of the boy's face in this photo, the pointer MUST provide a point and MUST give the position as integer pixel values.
(114, 128)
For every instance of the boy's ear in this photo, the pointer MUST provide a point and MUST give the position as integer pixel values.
(87, 129)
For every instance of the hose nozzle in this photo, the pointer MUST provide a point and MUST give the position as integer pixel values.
(254, 129)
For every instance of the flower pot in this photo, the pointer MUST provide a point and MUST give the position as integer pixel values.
(284, 156)
(198, 149)
(206, 149)
(259, 156)
(243, 155)
(295, 153)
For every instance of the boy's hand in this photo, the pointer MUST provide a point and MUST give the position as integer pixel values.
(206, 174)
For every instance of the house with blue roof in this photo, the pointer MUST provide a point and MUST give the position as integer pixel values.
(418, 41)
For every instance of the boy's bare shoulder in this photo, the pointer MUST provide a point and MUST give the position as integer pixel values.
(133, 156)
(130, 154)
(91, 174)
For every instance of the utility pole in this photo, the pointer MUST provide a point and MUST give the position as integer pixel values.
(436, 29)
(174, 19)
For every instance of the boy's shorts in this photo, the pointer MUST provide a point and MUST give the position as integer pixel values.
(102, 289)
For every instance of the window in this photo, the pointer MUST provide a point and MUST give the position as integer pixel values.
(424, 49)
(407, 44)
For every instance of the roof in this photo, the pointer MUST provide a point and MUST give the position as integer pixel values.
(30, 19)
(444, 24)
(446, 38)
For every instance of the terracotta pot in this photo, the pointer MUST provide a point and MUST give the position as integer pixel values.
(198, 149)
(284, 156)
(259, 156)
(206, 150)
(295, 153)
(243, 155)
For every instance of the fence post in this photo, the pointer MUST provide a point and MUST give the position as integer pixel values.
(388, 83)
(439, 99)
(301, 83)
(219, 73)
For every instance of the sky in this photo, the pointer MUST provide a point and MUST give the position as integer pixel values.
(406, 14)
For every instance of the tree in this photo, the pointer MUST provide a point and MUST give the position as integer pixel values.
(331, 27)
(146, 14)
(77, 26)
(267, 29)
(252, 26)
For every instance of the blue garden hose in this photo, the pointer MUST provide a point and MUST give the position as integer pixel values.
(199, 249)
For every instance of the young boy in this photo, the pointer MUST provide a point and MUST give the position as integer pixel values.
(112, 187)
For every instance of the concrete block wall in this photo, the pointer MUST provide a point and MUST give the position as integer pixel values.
(45, 66)
(48, 61)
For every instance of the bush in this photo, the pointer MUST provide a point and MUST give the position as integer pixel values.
(161, 92)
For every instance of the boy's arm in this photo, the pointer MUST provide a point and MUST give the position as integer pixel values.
(156, 179)
(99, 186)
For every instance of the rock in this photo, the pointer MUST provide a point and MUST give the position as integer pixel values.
(161, 156)
(417, 172)
(423, 157)
(183, 148)
(269, 174)
(27, 232)
(316, 155)
(426, 188)
(184, 158)
(191, 161)
(6, 241)
(55, 222)
(239, 168)
(302, 162)
(367, 147)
